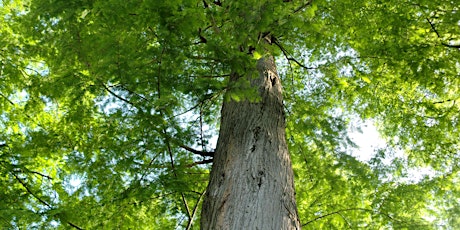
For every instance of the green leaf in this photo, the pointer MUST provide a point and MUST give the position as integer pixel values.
(256, 55)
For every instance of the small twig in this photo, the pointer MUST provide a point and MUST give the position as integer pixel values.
(200, 103)
(33, 172)
(450, 46)
(146, 168)
(201, 129)
(39, 199)
(303, 6)
(211, 76)
(130, 91)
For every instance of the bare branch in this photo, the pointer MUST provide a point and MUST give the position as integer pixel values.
(201, 153)
(207, 161)
(451, 46)
(432, 27)
(440, 102)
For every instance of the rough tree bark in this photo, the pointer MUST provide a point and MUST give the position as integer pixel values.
(251, 184)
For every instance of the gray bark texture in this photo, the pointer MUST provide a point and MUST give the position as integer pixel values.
(251, 184)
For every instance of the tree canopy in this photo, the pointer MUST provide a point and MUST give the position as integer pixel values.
(102, 101)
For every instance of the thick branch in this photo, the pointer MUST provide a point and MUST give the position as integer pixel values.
(201, 153)
(207, 161)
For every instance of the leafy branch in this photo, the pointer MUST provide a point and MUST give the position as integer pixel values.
(167, 137)
(439, 36)
(288, 56)
(302, 6)
(29, 191)
(116, 95)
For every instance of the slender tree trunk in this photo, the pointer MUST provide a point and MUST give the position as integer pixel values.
(251, 184)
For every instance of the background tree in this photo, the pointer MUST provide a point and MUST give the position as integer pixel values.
(104, 103)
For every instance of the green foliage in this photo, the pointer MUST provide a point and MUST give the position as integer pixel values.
(97, 98)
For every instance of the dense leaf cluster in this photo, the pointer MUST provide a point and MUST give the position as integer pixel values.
(100, 99)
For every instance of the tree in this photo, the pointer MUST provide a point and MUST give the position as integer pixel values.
(108, 110)
(251, 182)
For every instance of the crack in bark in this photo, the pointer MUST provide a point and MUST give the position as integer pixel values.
(260, 176)
(256, 132)
(221, 179)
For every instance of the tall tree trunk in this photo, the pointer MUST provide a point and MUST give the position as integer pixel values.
(251, 184)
